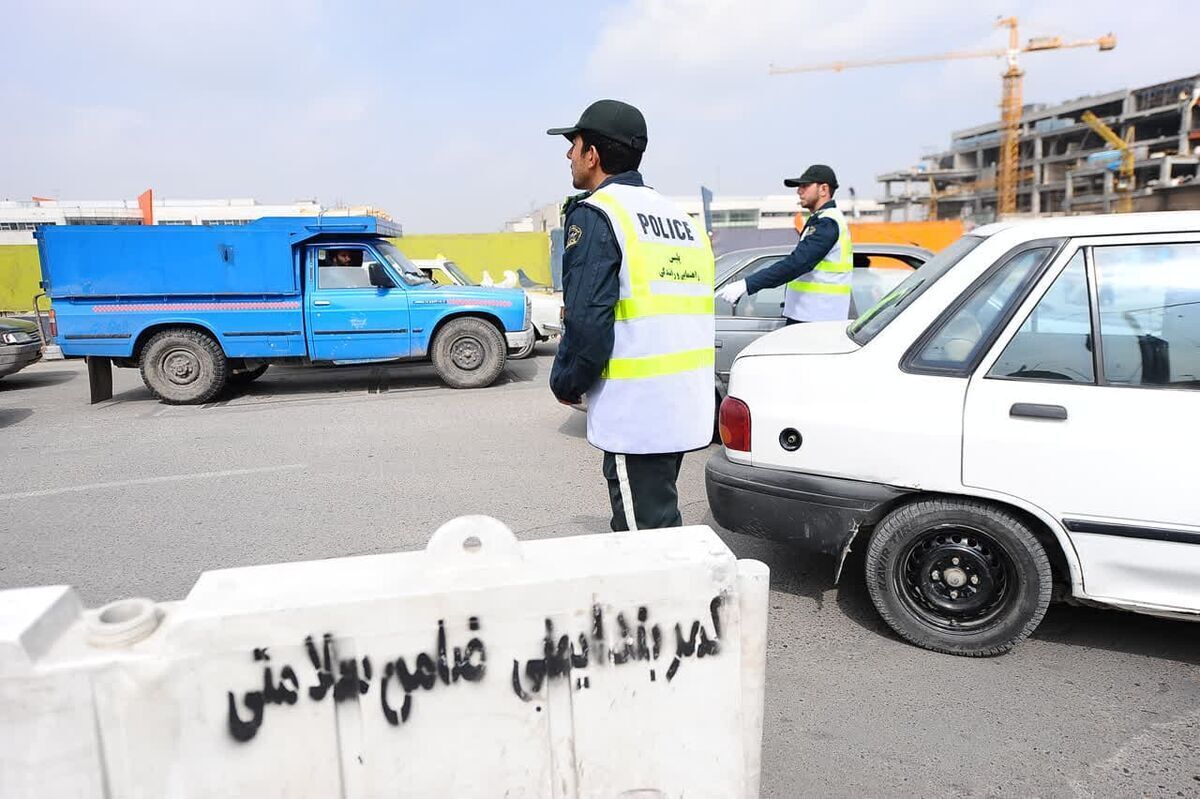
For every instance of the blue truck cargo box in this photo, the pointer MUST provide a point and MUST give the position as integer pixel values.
(139, 261)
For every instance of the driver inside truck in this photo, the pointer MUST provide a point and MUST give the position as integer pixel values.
(344, 258)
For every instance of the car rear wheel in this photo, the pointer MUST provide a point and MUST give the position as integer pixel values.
(958, 576)
(469, 353)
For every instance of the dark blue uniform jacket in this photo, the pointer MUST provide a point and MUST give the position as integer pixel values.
(808, 254)
(591, 287)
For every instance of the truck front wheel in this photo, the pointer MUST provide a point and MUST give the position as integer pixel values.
(184, 367)
(468, 353)
(958, 576)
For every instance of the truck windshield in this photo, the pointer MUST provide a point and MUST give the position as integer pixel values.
(880, 315)
(459, 275)
(411, 273)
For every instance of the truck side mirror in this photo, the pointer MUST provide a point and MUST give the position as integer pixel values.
(379, 277)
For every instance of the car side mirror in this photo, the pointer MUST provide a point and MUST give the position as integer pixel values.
(379, 277)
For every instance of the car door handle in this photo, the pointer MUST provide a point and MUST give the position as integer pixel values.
(322, 303)
(719, 344)
(1030, 410)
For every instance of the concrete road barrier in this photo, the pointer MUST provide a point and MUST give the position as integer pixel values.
(625, 665)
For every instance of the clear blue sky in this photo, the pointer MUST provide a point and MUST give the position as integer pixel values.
(438, 111)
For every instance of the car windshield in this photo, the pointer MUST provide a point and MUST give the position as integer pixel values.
(880, 315)
(727, 262)
(459, 275)
(411, 273)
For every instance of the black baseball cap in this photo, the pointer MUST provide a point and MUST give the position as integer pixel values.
(613, 119)
(817, 173)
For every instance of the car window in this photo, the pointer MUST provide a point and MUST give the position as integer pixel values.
(343, 268)
(873, 277)
(1149, 298)
(881, 314)
(767, 303)
(960, 336)
(725, 263)
(1055, 341)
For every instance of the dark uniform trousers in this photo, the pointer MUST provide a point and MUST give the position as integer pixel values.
(643, 486)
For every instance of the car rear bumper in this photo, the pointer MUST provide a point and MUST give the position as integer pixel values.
(15, 357)
(819, 513)
(518, 340)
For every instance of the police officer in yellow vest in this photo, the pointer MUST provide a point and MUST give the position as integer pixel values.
(818, 271)
(638, 318)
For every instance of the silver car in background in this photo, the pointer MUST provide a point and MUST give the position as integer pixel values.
(878, 268)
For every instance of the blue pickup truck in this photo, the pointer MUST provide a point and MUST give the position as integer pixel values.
(197, 308)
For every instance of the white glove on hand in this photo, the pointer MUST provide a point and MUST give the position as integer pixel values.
(732, 292)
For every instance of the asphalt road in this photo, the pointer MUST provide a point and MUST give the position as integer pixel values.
(131, 497)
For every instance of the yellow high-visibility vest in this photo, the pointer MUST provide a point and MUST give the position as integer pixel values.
(824, 293)
(656, 394)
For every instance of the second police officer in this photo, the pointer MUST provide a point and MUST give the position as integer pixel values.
(818, 272)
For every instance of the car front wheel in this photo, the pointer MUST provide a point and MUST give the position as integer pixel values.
(958, 576)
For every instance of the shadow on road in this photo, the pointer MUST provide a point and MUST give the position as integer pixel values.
(574, 425)
(802, 574)
(12, 416)
(36, 379)
(297, 381)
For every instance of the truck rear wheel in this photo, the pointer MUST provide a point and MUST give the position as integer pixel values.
(958, 576)
(468, 353)
(184, 367)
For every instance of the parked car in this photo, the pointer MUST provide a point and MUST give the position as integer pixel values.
(20, 345)
(1016, 419)
(878, 268)
(546, 304)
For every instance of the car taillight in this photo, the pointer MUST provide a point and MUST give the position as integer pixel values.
(734, 424)
(53, 324)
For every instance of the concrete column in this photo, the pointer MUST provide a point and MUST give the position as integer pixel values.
(1108, 191)
(1035, 191)
(1069, 194)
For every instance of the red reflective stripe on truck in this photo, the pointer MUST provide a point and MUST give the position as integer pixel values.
(488, 303)
(197, 306)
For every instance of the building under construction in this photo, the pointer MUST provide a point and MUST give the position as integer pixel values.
(1066, 166)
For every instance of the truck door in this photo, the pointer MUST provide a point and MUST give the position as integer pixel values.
(349, 318)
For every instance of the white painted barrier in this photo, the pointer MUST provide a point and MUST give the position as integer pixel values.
(619, 665)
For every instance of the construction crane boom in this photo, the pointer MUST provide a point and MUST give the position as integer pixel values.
(1032, 46)
(1010, 102)
(1125, 204)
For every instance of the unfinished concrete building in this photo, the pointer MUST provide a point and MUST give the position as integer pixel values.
(1065, 165)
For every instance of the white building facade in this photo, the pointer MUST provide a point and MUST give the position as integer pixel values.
(766, 212)
(18, 219)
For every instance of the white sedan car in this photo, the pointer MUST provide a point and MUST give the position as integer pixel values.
(545, 304)
(1018, 419)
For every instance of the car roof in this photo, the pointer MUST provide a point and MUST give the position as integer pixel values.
(733, 260)
(877, 248)
(1096, 225)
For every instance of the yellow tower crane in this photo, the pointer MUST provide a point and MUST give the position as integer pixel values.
(1125, 204)
(1010, 102)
